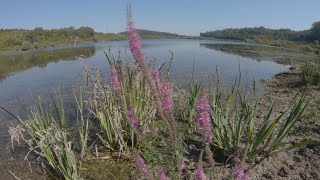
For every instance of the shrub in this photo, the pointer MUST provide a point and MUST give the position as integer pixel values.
(26, 45)
(308, 48)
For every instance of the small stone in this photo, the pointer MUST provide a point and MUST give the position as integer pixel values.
(303, 175)
(257, 159)
(303, 151)
(291, 167)
(315, 175)
(283, 172)
(297, 159)
(313, 144)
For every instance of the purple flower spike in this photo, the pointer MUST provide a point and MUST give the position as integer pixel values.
(115, 81)
(166, 93)
(199, 174)
(134, 39)
(141, 165)
(204, 117)
(132, 118)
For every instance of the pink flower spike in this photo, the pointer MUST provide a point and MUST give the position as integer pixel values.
(166, 93)
(204, 121)
(155, 76)
(141, 165)
(162, 175)
(199, 174)
(134, 39)
(115, 81)
(132, 118)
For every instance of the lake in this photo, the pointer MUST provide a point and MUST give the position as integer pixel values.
(38, 71)
(33, 73)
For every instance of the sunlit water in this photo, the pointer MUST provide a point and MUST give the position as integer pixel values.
(38, 72)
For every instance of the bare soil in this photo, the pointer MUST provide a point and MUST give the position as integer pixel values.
(304, 162)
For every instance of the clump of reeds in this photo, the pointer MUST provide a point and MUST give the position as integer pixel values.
(113, 106)
(48, 138)
(310, 74)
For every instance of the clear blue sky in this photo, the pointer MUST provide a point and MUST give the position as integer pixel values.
(180, 16)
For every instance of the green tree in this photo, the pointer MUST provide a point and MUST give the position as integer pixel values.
(315, 30)
(85, 32)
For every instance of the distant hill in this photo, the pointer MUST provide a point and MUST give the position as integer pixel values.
(258, 32)
(311, 35)
(307, 40)
(21, 39)
(147, 34)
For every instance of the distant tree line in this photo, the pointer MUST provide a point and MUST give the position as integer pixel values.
(147, 34)
(39, 37)
(261, 33)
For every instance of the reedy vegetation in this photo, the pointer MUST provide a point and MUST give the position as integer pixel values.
(310, 73)
(138, 115)
(47, 137)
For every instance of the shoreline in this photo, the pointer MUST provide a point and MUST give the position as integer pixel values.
(81, 43)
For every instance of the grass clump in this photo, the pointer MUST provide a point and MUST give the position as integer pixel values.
(48, 138)
(310, 74)
(236, 130)
(114, 129)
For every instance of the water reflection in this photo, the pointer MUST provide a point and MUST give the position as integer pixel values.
(38, 72)
(10, 64)
(264, 53)
(41, 71)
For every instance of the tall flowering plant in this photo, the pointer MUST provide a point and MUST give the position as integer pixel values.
(204, 124)
(162, 96)
(162, 93)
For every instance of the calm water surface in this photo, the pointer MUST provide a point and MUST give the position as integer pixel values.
(38, 72)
